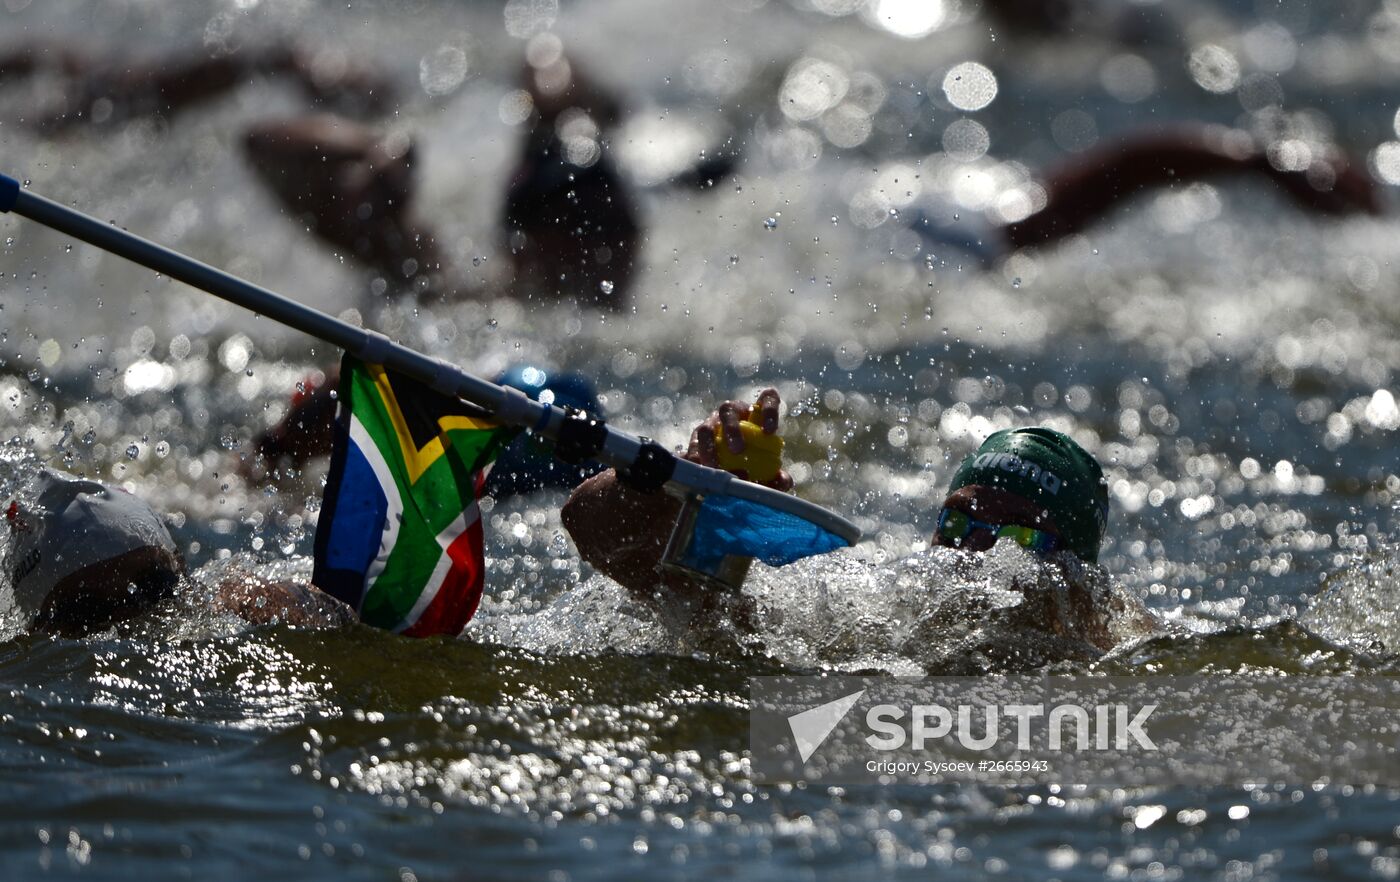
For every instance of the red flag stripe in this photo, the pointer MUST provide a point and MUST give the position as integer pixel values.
(460, 594)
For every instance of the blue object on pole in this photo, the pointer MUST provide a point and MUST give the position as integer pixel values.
(728, 525)
(9, 192)
(529, 464)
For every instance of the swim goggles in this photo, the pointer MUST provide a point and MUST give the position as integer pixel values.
(956, 526)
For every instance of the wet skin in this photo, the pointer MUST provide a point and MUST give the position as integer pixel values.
(571, 231)
(1084, 189)
(165, 86)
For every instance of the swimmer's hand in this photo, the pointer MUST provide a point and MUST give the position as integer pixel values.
(262, 602)
(306, 432)
(624, 531)
(725, 422)
(1332, 185)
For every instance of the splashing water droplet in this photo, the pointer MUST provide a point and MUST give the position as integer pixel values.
(133, 451)
(606, 287)
(770, 223)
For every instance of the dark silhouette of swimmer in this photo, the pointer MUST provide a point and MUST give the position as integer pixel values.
(350, 186)
(1127, 23)
(103, 91)
(1090, 185)
(570, 224)
(568, 221)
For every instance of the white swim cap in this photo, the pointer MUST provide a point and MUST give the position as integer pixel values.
(74, 524)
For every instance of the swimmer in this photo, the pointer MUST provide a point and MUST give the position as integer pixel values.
(351, 186)
(83, 556)
(1088, 187)
(104, 92)
(1084, 190)
(568, 221)
(1033, 487)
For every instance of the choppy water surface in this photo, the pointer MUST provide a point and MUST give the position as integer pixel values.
(1231, 361)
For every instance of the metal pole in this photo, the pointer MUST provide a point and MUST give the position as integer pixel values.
(506, 404)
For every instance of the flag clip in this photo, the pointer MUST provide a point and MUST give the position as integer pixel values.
(581, 437)
(651, 469)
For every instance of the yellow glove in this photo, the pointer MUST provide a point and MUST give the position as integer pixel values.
(763, 453)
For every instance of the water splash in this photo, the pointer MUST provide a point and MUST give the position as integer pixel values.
(1359, 604)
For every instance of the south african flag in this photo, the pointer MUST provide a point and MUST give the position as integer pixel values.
(399, 536)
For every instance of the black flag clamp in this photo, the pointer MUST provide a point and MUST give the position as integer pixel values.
(652, 468)
(583, 436)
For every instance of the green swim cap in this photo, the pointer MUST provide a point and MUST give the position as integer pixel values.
(1049, 469)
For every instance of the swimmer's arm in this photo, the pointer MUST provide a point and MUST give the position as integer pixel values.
(623, 532)
(261, 602)
(1084, 190)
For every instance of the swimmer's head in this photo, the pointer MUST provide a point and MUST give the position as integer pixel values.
(560, 388)
(1038, 482)
(83, 555)
(529, 463)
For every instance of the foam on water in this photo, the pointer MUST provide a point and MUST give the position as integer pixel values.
(1356, 605)
(931, 611)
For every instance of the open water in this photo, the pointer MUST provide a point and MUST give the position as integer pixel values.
(1232, 362)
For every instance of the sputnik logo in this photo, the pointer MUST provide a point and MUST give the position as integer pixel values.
(812, 727)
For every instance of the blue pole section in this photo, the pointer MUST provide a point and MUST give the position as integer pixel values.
(9, 192)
